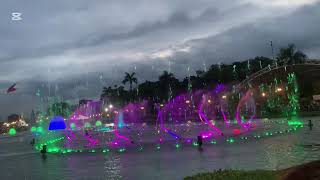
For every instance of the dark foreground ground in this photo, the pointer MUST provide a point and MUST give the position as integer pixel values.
(309, 171)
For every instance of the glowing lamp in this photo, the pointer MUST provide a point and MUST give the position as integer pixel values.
(33, 129)
(236, 131)
(98, 123)
(12, 131)
(73, 126)
(39, 129)
(57, 123)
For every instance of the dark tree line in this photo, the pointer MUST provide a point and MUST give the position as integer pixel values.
(168, 86)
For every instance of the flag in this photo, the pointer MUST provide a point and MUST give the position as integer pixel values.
(11, 89)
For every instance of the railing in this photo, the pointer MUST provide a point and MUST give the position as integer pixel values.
(312, 62)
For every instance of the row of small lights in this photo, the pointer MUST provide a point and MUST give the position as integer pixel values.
(263, 94)
(15, 122)
(209, 100)
(178, 145)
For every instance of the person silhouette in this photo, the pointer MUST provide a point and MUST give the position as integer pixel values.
(33, 141)
(310, 124)
(199, 142)
(43, 152)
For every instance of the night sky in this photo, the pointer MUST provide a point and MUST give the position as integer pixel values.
(72, 48)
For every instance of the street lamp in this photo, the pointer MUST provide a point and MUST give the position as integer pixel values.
(278, 89)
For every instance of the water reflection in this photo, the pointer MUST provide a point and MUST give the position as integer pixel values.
(19, 161)
(112, 166)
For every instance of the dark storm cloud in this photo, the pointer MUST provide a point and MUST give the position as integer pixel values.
(74, 48)
(253, 39)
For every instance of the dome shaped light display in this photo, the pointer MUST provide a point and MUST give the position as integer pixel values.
(57, 123)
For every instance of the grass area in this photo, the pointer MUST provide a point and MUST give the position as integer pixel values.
(308, 171)
(235, 175)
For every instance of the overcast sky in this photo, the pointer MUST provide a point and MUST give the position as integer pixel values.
(75, 47)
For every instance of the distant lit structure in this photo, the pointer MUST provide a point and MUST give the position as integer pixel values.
(15, 123)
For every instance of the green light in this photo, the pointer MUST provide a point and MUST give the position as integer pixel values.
(230, 140)
(295, 123)
(158, 147)
(104, 129)
(73, 126)
(98, 123)
(195, 144)
(39, 129)
(93, 151)
(213, 142)
(267, 134)
(12, 131)
(33, 129)
(122, 150)
(87, 125)
(178, 146)
(53, 150)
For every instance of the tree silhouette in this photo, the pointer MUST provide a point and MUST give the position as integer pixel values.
(130, 78)
(290, 55)
(168, 86)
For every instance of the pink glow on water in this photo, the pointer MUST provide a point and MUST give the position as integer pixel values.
(242, 101)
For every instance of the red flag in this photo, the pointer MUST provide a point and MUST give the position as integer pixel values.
(11, 88)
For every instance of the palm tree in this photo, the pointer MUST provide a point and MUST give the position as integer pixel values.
(291, 55)
(168, 84)
(130, 78)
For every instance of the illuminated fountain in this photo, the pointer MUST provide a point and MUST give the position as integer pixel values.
(218, 115)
